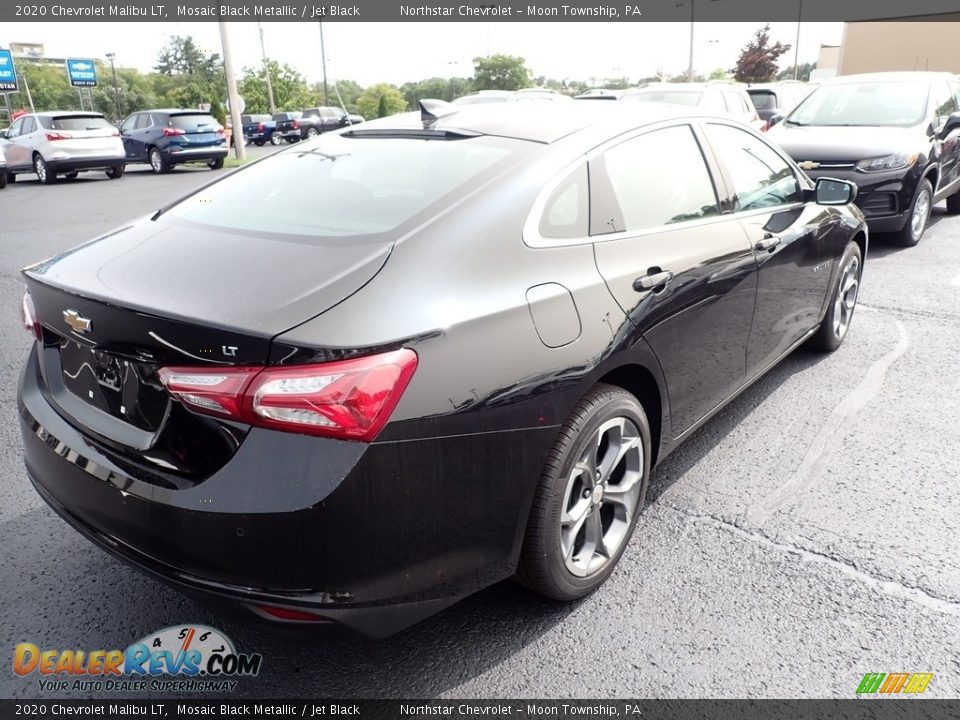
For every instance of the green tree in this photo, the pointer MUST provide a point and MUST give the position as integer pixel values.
(382, 110)
(500, 72)
(49, 87)
(369, 102)
(437, 88)
(803, 72)
(349, 92)
(185, 76)
(290, 89)
(219, 112)
(718, 74)
(758, 59)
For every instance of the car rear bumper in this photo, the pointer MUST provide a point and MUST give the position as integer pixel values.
(62, 165)
(180, 155)
(370, 537)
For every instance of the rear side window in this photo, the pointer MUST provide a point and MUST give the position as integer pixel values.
(760, 177)
(193, 121)
(349, 186)
(764, 100)
(143, 121)
(566, 214)
(74, 122)
(656, 179)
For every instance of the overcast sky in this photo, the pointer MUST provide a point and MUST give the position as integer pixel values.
(399, 52)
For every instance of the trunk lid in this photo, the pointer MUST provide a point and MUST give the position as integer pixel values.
(165, 293)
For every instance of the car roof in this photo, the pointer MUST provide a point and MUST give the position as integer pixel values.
(900, 76)
(536, 122)
(77, 113)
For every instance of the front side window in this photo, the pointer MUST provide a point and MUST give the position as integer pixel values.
(143, 121)
(659, 178)
(761, 178)
(15, 129)
(29, 125)
(943, 103)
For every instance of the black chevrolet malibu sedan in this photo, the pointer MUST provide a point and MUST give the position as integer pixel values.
(445, 349)
(896, 135)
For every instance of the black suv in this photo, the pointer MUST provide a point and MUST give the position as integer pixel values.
(164, 138)
(896, 135)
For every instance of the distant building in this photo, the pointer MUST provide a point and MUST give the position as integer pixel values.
(903, 44)
(828, 61)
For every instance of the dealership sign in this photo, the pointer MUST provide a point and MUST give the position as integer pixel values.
(82, 73)
(8, 76)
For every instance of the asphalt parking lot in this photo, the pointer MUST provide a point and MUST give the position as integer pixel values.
(805, 536)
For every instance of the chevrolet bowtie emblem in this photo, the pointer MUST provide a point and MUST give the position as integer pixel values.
(808, 165)
(76, 321)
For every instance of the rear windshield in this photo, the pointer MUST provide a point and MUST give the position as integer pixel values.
(348, 187)
(73, 122)
(193, 121)
(763, 99)
(864, 104)
(676, 97)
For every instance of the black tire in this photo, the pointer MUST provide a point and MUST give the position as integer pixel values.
(44, 174)
(953, 204)
(215, 164)
(292, 140)
(259, 143)
(72, 175)
(831, 334)
(3, 180)
(312, 133)
(275, 139)
(158, 163)
(909, 236)
(11, 178)
(116, 172)
(542, 567)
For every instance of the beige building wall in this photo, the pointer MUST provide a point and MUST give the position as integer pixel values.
(901, 45)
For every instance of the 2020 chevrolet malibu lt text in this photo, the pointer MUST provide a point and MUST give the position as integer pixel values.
(447, 349)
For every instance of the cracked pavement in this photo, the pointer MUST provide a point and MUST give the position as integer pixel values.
(805, 536)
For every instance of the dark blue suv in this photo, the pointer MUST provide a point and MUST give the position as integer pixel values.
(164, 138)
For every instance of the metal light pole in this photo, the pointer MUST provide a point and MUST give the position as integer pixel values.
(26, 84)
(232, 94)
(323, 61)
(116, 87)
(796, 49)
(690, 68)
(266, 70)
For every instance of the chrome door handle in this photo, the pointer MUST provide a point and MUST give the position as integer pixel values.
(652, 280)
(768, 243)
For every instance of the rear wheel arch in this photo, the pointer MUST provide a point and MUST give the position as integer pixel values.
(641, 383)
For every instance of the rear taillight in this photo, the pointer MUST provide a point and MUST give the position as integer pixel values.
(54, 136)
(296, 125)
(28, 315)
(348, 399)
(170, 132)
(260, 127)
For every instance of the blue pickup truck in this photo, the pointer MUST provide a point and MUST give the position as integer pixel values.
(258, 129)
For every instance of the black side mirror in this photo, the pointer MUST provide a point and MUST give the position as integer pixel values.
(830, 191)
(774, 119)
(952, 123)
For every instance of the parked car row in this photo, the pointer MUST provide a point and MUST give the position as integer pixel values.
(294, 126)
(54, 144)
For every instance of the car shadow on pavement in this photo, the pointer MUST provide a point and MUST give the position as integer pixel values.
(698, 445)
(62, 592)
(883, 244)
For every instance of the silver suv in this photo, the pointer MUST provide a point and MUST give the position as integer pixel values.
(717, 97)
(63, 143)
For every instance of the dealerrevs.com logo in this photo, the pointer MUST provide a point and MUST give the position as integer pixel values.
(186, 658)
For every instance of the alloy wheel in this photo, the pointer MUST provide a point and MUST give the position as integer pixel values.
(921, 212)
(156, 161)
(601, 497)
(41, 168)
(846, 298)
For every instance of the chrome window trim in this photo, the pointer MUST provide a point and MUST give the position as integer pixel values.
(531, 227)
